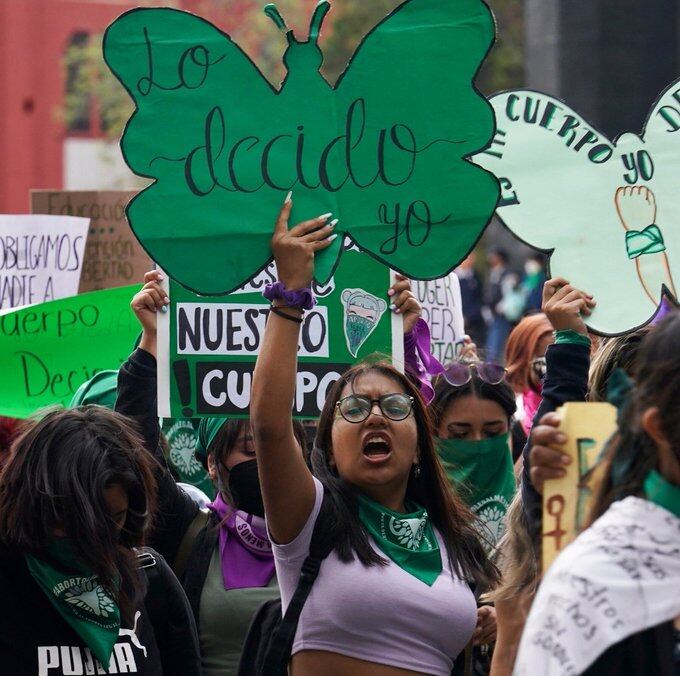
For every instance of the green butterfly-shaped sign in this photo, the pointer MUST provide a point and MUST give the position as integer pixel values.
(384, 150)
(608, 211)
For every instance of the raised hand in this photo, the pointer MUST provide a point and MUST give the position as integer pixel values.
(146, 304)
(566, 306)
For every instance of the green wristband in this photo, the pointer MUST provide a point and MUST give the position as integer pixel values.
(570, 337)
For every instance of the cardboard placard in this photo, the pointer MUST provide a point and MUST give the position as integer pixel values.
(113, 257)
(566, 501)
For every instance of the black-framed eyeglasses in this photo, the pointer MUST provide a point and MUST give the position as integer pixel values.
(355, 408)
(460, 373)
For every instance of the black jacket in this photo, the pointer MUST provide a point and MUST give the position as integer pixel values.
(176, 510)
(650, 651)
(35, 638)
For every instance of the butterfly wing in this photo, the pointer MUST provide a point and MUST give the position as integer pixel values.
(559, 178)
(196, 95)
(410, 83)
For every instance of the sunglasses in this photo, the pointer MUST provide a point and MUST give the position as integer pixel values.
(540, 367)
(460, 373)
(356, 408)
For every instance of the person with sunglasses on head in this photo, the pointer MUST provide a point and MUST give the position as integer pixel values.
(392, 596)
(525, 361)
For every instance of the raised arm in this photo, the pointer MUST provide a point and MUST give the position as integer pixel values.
(287, 484)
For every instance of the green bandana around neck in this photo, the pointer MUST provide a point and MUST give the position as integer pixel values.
(662, 492)
(482, 473)
(408, 539)
(79, 598)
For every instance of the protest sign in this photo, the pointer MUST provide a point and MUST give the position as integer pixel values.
(566, 501)
(40, 258)
(48, 350)
(607, 210)
(443, 312)
(207, 346)
(113, 257)
(384, 150)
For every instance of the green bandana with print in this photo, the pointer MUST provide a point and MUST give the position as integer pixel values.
(482, 473)
(407, 539)
(78, 597)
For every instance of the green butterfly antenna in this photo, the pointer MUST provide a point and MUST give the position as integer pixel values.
(317, 19)
(273, 13)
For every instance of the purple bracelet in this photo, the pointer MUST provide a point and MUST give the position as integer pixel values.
(302, 299)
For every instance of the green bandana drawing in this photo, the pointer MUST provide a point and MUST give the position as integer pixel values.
(362, 314)
(408, 539)
(78, 597)
(384, 149)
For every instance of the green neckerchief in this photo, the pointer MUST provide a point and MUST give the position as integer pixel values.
(79, 598)
(407, 539)
(662, 492)
(647, 241)
(482, 473)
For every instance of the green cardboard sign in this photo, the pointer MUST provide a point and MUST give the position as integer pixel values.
(384, 150)
(207, 346)
(606, 210)
(48, 350)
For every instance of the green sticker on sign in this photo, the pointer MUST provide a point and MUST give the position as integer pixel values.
(207, 346)
(384, 150)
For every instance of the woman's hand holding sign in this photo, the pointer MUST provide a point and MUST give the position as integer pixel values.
(145, 304)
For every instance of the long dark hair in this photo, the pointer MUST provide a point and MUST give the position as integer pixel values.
(431, 490)
(55, 480)
(631, 453)
(445, 394)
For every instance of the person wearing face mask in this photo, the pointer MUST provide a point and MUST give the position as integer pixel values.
(222, 555)
(391, 598)
(526, 367)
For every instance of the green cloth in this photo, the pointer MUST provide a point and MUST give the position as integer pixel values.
(647, 241)
(408, 539)
(207, 431)
(101, 389)
(78, 597)
(662, 492)
(482, 473)
(224, 617)
(570, 337)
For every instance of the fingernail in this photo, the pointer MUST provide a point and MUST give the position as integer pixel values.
(160, 277)
(325, 217)
(331, 238)
(166, 300)
(561, 438)
(164, 308)
(289, 197)
(393, 306)
(333, 223)
(566, 460)
(390, 292)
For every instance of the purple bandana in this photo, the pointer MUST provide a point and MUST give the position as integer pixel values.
(245, 550)
(417, 345)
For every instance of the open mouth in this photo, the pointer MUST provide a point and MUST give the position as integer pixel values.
(377, 448)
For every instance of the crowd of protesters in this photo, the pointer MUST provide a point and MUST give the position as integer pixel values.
(404, 540)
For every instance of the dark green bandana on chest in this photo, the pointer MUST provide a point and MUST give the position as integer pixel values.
(408, 539)
(662, 492)
(78, 597)
(482, 473)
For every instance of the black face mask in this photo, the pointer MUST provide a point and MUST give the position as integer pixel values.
(244, 486)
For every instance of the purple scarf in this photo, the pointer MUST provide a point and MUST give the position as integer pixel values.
(245, 550)
(419, 360)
